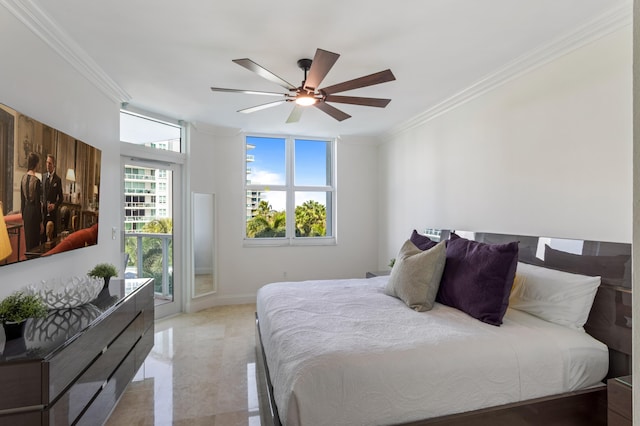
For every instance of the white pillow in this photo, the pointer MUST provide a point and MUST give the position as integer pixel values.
(559, 297)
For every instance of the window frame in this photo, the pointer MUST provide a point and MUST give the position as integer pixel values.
(140, 114)
(290, 189)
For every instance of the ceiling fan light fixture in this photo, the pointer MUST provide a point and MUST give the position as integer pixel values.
(305, 100)
(311, 92)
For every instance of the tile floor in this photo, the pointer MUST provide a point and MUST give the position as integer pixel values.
(201, 371)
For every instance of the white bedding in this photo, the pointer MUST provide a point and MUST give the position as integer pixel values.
(342, 352)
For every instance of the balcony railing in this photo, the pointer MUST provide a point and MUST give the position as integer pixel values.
(139, 219)
(136, 204)
(134, 191)
(134, 176)
(151, 256)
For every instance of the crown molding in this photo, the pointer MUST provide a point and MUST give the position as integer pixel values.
(34, 18)
(601, 26)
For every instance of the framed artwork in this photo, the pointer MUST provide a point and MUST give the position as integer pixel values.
(64, 210)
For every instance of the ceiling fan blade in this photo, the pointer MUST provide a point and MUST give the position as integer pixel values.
(296, 112)
(356, 100)
(320, 67)
(264, 73)
(248, 92)
(368, 80)
(260, 107)
(332, 111)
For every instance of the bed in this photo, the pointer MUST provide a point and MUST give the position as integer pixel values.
(346, 352)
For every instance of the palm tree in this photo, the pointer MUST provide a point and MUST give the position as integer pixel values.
(158, 226)
(264, 209)
(311, 219)
(153, 250)
(130, 247)
(266, 222)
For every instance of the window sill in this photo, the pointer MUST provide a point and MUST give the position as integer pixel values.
(286, 242)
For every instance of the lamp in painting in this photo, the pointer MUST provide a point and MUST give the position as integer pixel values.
(71, 177)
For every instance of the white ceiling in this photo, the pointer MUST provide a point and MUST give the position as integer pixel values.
(165, 54)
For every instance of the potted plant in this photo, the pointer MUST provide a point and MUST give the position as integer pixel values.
(105, 271)
(16, 309)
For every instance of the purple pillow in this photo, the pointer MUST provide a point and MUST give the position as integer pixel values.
(478, 277)
(422, 241)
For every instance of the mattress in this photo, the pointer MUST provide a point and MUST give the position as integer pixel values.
(342, 352)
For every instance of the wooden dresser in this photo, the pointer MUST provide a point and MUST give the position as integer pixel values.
(72, 366)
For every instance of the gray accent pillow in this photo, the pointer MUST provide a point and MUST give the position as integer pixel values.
(415, 277)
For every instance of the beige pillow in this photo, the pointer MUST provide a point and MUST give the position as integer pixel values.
(415, 277)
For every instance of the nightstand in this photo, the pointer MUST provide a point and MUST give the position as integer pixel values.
(371, 274)
(619, 411)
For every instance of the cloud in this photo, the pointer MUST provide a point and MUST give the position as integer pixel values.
(277, 199)
(320, 197)
(264, 177)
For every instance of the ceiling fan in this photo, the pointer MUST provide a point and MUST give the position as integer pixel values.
(308, 93)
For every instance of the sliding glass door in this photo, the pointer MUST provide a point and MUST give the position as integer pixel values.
(150, 195)
(151, 149)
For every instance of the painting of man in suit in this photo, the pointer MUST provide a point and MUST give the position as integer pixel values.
(52, 194)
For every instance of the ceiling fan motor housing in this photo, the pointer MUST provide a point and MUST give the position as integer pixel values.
(305, 64)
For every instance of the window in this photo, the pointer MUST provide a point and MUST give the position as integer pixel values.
(290, 190)
(154, 133)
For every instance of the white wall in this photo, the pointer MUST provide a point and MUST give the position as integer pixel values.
(37, 82)
(217, 165)
(548, 153)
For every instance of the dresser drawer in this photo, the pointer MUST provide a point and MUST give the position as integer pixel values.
(21, 385)
(620, 402)
(615, 419)
(22, 419)
(109, 395)
(68, 364)
(143, 348)
(86, 357)
(78, 396)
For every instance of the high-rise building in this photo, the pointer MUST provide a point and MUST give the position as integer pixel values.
(253, 197)
(146, 196)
